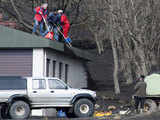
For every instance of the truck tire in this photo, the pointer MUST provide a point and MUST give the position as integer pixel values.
(19, 110)
(4, 113)
(150, 106)
(83, 108)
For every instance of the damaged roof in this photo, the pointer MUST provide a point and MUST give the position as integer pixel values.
(11, 39)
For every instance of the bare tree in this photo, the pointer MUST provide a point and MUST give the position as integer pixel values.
(101, 25)
(133, 30)
(136, 25)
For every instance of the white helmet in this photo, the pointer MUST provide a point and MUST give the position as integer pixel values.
(44, 5)
(60, 11)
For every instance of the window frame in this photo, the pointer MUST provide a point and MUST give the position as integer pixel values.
(47, 67)
(66, 73)
(60, 69)
(45, 85)
(61, 83)
(54, 68)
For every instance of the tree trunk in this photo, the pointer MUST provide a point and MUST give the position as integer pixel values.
(115, 55)
(115, 73)
(128, 75)
(98, 44)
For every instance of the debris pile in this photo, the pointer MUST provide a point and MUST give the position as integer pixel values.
(113, 112)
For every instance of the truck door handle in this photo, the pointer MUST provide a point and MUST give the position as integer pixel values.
(34, 91)
(52, 91)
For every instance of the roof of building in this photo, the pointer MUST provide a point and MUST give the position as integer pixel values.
(11, 38)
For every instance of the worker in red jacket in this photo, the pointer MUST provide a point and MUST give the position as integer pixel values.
(40, 12)
(64, 22)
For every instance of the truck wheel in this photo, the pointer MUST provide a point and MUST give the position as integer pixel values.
(19, 110)
(4, 113)
(83, 108)
(150, 106)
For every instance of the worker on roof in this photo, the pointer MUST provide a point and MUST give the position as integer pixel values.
(53, 22)
(40, 13)
(64, 23)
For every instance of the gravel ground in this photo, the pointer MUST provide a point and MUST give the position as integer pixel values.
(153, 116)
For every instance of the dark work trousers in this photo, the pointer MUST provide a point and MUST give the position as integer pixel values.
(139, 101)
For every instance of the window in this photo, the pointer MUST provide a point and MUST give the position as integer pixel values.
(38, 84)
(56, 84)
(12, 83)
(47, 69)
(60, 70)
(66, 73)
(54, 68)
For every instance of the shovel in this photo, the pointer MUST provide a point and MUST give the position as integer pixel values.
(49, 34)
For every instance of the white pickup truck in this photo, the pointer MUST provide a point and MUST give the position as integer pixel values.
(19, 95)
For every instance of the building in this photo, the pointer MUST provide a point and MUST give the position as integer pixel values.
(23, 54)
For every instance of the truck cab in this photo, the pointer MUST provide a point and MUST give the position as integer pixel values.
(49, 92)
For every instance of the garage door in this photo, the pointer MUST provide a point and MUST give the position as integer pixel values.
(15, 62)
